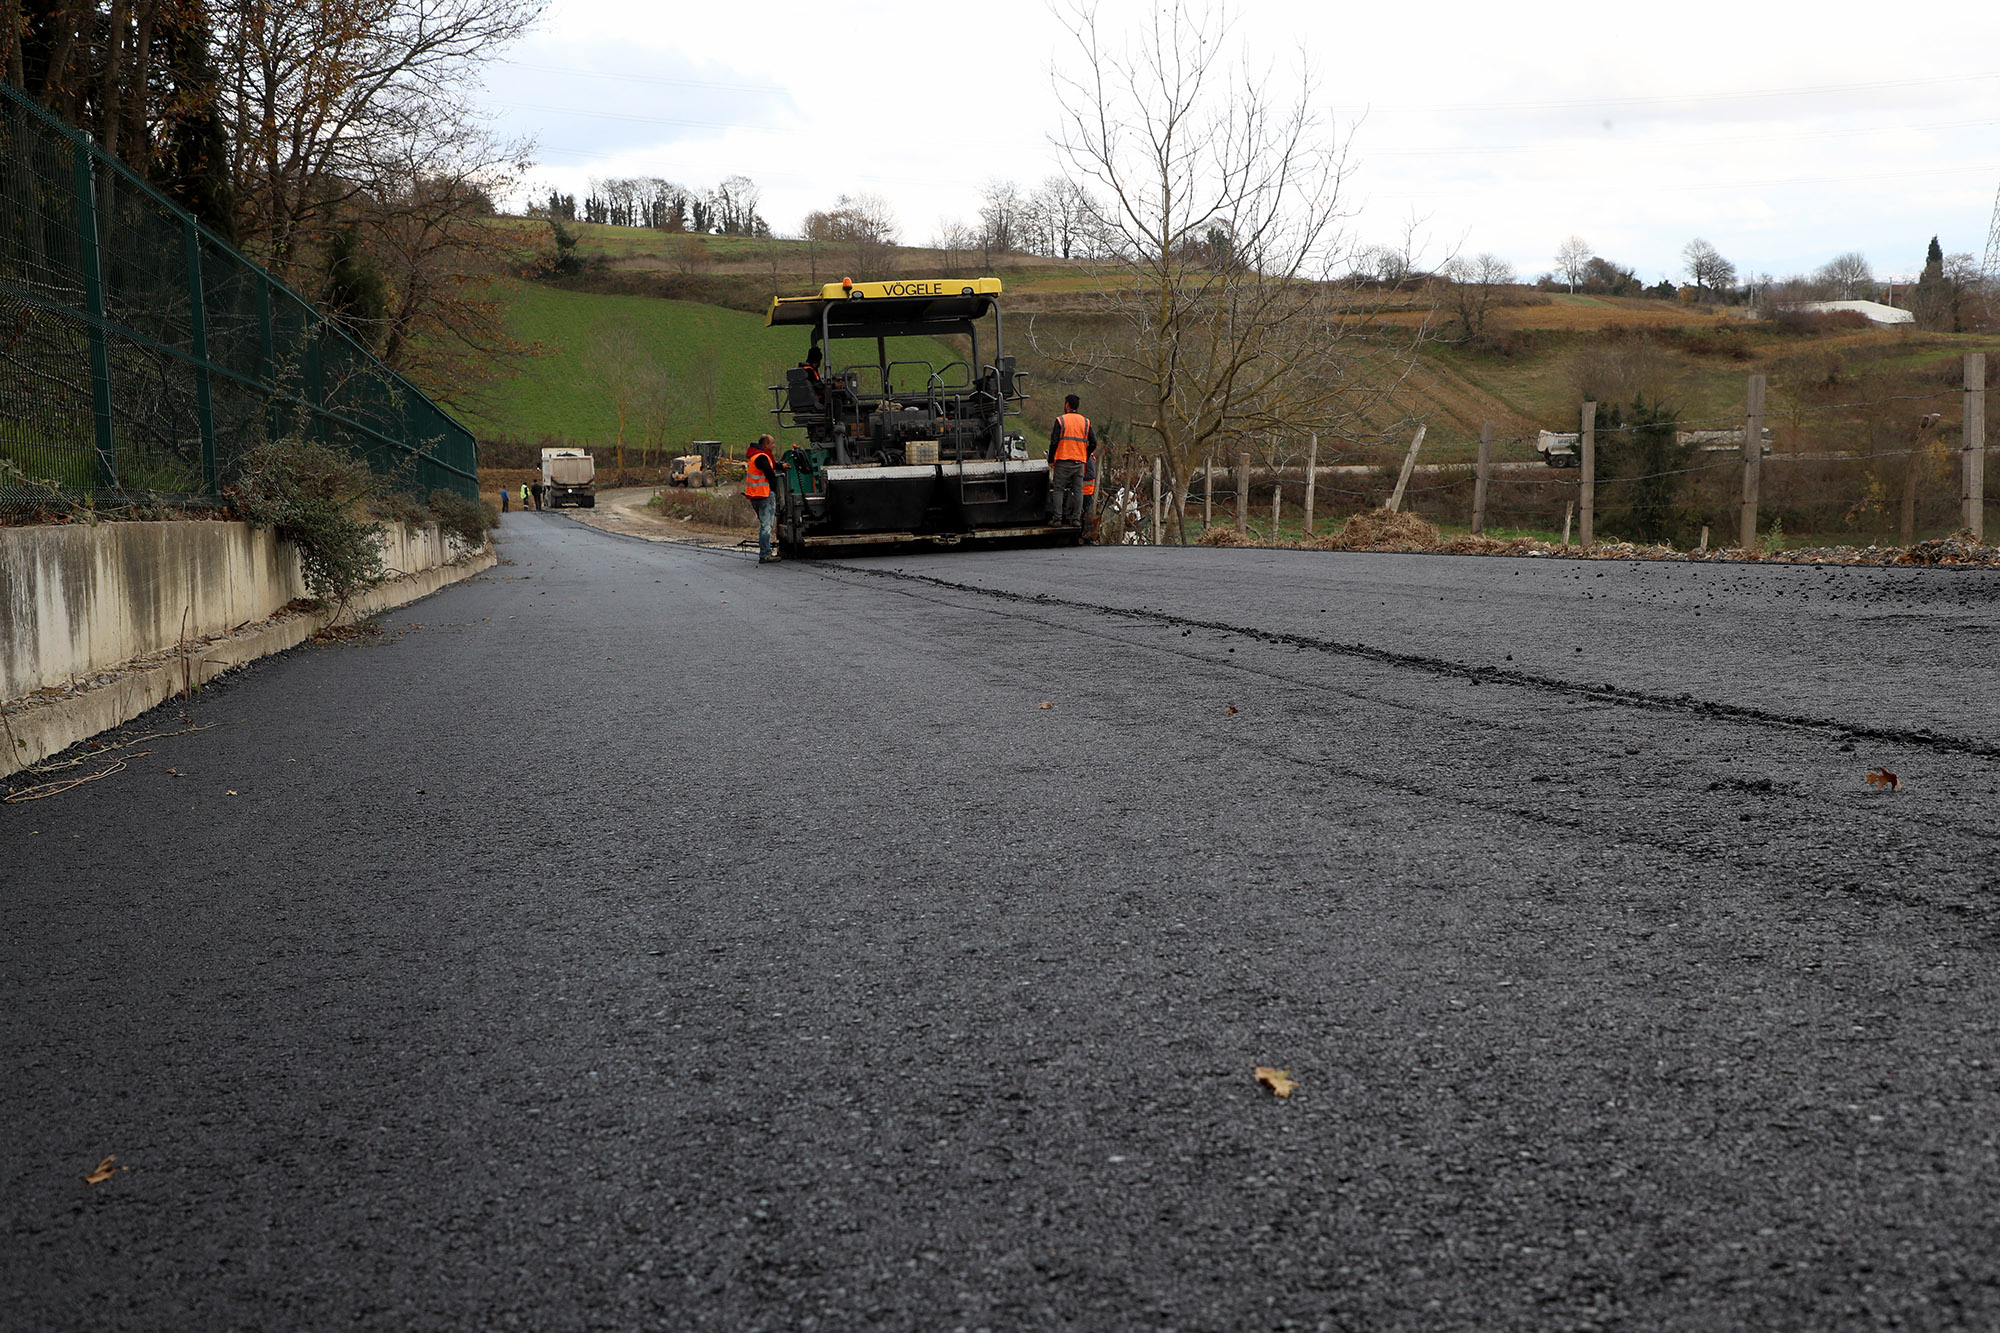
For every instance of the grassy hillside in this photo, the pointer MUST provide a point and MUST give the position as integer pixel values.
(687, 371)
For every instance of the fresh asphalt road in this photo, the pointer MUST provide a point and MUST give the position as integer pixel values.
(633, 936)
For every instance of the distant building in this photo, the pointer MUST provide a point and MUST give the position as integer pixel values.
(1873, 310)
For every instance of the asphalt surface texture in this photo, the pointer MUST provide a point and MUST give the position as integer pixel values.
(637, 937)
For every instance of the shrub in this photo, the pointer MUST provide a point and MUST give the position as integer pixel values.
(469, 520)
(307, 493)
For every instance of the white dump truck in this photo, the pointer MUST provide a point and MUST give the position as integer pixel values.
(569, 477)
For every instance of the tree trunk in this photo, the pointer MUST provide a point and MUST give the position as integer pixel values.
(110, 111)
(16, 17)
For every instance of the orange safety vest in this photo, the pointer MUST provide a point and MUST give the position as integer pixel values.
(755, 484)
(1073, 447)
(1089, 486)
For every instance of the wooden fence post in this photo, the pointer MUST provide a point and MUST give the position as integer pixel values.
(1974, 468)
(1587, 481)
(1207, 491)
(1243, 493)
(1159, 532)
(1753, 459)
(1312, 473)
(1409, 465)
(1478, 486)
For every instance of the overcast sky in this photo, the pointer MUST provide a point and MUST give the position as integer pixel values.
(1782, 134)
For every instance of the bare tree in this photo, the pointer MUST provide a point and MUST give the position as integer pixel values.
(1002, 213)
(1058, 219)
(953, 240)
(620, 363)
(1220, 234)
(689, 254)
(704, 389)
(660, 399)
(318, 95)
(863, 222)
(733, 208)
(1474, 286)
(1572, 258)
(1846, 277)
(427, 227)
(1707, 268)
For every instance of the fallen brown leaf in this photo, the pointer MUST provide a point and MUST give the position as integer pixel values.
(1045, 704)
(1231, 708)
(1882, 779)
(102, 1173)
(1279, 1081)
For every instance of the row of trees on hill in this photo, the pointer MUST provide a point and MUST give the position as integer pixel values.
(730, 209)
(1950, 295)
(335, 141)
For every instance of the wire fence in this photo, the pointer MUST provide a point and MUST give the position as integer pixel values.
(142, 359)
(1877, 469)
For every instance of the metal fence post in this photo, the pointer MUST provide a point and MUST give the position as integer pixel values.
(267, 362)
(88, 260)
(315, 388)
(1243, 493)
(198, 335)
(1975, 445)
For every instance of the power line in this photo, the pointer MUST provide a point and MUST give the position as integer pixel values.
(652, 79)
(1481, 150)
(1685, 99)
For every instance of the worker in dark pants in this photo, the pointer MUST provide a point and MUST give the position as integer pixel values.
(1072, 441)
(760, 483)
(504, 493)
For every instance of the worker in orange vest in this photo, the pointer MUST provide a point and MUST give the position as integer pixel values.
(760, 480)
(1072, 442)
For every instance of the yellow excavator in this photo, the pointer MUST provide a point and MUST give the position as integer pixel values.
(695, 469)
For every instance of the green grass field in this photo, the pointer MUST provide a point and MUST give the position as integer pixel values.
(692, 371)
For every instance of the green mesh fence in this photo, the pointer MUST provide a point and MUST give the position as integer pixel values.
(141, 358)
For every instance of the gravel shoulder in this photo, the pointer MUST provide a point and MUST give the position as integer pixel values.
(627, 510)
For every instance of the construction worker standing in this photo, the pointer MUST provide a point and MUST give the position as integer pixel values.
(759, 480)
(524, 497)
(1072, 442)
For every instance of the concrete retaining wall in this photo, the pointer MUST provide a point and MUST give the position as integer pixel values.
(77, 599)
(99, 623)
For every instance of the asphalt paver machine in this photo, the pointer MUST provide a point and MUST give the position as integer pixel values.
(889, 447)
